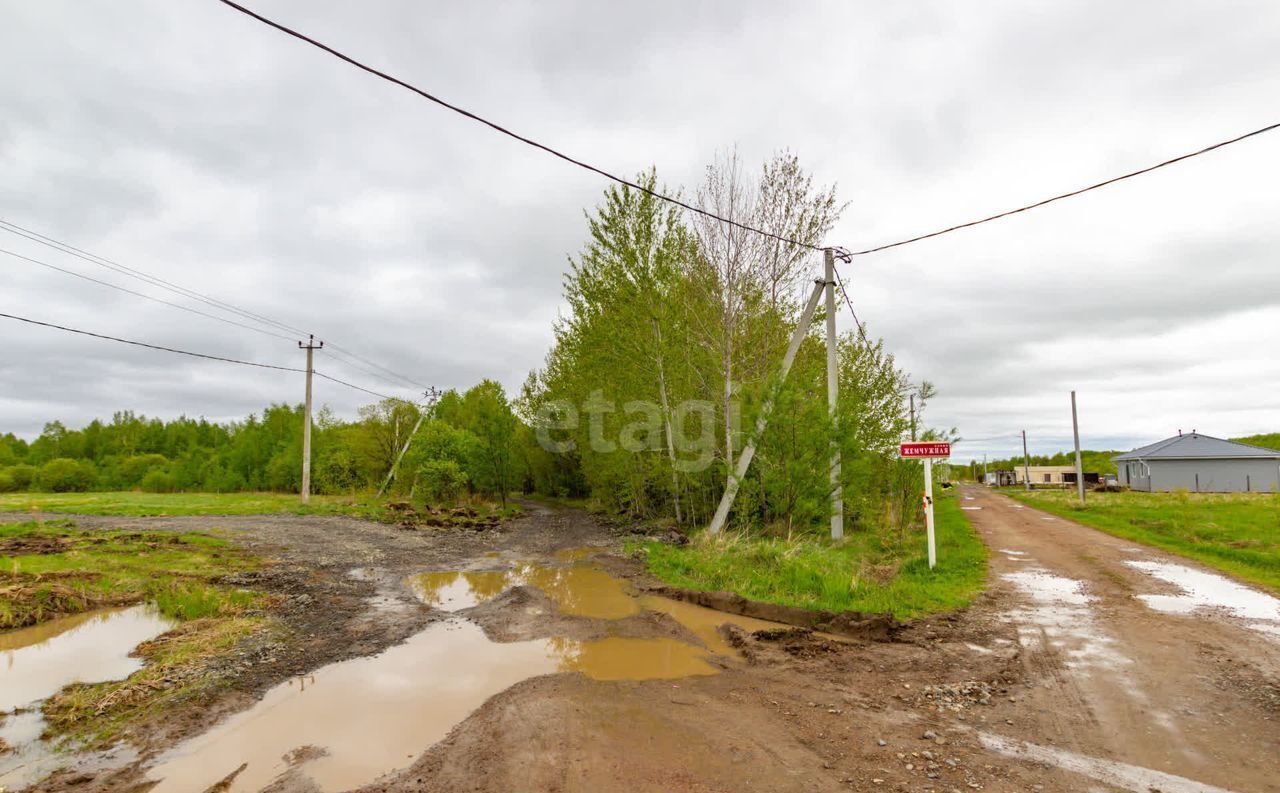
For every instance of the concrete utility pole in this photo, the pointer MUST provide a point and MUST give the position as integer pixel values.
(833, 394)
(1026, 461)
(912, 408)
(310, 347)
(1075, 430)
(744, 460)
(430, 395)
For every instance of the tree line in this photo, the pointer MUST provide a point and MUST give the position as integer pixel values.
(667, 355)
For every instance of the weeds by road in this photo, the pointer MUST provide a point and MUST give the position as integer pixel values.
(1238, 533)
(865, 572)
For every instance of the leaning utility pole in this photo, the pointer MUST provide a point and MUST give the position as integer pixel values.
(1026, 461)
(1075, 430)
(310, 347)
(431, 395)
(762, 419)
(833, 394)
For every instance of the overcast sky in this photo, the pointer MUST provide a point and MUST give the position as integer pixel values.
(191, 142)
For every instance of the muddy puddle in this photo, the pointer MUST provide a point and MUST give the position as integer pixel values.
(355, 721)
(38, 661)
(1209, 593)
(1060, 612)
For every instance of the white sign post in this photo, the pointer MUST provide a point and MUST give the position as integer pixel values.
(928, 511)
(927, 451)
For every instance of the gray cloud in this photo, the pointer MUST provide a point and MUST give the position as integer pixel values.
(190, 142)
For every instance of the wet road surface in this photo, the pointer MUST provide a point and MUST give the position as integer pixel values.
(1151, 671)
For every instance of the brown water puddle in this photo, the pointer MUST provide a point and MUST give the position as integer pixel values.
(357, 720)
(372, 716)
(578, 590)
(38, 661)
(704, 622)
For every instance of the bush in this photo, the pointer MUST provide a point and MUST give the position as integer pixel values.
(132, 471)
(20, 477)
(6, 481)
(157, 481)
(64, 475)
(441, 480)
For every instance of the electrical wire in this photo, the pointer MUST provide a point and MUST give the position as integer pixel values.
(594, 169)
(503, 130)
(152, 346)
(348, 353)
(205, 356)
(347, 362)
(1073, 193)
(126, 290)
(101, 261)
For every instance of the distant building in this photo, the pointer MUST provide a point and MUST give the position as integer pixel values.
(1051, 476)
(999, 479)
(1201, 464)
(1041, 476)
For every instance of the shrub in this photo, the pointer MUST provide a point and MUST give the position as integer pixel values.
(21, 476)
(6, 481)
(157, 481)
(64, 475)
(134, 470)
(441, 480)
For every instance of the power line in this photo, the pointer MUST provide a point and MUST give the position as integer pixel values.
(152, 346)
(503, 130)
(348, 353)
(1071, 194)
(318, 373)
(144, 296)
(206, 356)
(348, 362)
(101, 261)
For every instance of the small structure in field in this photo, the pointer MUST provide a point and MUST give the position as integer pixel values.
(1200, 463)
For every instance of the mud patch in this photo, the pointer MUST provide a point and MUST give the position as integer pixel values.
(33, 545)
(1060, 619)
(367, 717)
(855, 624)
(576, 590)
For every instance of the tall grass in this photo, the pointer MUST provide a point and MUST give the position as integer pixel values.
(864, 572)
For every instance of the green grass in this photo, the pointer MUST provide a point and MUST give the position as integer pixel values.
(49, 569)
(137, 504)
(864, 572)
(145, 504)
(1238, 533)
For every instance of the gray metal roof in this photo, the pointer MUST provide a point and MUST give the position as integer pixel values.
(1194, 446)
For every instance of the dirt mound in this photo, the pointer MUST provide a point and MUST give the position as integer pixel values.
(854, 624)
(33, 545)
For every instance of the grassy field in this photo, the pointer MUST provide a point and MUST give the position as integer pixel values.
(49, 569)
(143, 504)
(1238, 533)
(137, 504)
(864, 572)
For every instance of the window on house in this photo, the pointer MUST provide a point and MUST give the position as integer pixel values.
(1048, 477)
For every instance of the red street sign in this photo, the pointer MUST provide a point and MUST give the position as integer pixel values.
(928, 449)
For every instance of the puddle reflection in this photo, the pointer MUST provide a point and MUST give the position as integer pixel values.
(578, 590)
(374, 715)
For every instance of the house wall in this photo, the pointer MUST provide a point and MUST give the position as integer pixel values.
(1038, 473)
(1215, 476)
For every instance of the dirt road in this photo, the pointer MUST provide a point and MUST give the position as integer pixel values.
(513, 667)
(1135, 656)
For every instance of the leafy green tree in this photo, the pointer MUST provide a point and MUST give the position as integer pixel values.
(65, 475)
